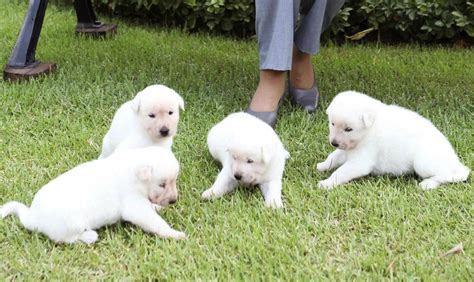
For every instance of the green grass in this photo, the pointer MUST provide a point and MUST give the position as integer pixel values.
(374, 228)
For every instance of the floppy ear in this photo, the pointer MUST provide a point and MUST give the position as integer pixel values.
(367, 119)
(135, 105)
(329, 108)
(180, 101)
(144, 173)
(229, 152)
(267, 153)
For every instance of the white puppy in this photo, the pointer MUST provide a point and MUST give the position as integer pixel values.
(151, 118)
(122, 187)
(372, 137)
(250, 153)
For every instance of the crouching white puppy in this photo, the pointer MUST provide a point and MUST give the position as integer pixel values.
(372, 137)
(151, 118)
(124, 186)
(250, 153)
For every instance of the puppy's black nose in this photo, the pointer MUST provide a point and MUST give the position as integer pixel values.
(172, 201)
(164, 131)
(238, 176)
(335, 144)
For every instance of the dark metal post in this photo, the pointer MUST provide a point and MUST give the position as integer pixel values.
(85, 13)
(22, 62)
(87, 22)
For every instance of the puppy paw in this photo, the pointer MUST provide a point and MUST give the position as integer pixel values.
(89, 236)
(173, 234)
(274, 204)
(156, 207)
(327, 184)
(428, 184)
(322, 166)
(208, 194)
(180, 236)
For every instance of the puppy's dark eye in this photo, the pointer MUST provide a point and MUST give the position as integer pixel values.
(162, 185)
(249, 161)
(332, 123)
(152, 115)
(348, 129)
(170, 112)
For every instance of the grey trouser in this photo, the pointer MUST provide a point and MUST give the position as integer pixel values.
(278, 28)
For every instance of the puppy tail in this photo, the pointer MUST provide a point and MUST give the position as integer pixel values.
(18, 209)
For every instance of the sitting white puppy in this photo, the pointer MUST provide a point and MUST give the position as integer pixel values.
(151, 118)
(124, 186)
(372, 137)
(250, 153)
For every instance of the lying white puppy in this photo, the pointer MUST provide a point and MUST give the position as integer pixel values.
(376, 138)
(151, 118)
(250, 153)
(122, 187)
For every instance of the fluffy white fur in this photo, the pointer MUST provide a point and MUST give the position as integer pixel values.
(125, 186)
(151, 118)
(250, 153)
(375, 138)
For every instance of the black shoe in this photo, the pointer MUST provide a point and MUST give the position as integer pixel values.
(305, 98)
(269, 118)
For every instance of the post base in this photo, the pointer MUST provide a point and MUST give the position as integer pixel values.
(34, 70)
(96, 30)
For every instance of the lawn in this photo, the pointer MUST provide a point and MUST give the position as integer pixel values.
(374, 228)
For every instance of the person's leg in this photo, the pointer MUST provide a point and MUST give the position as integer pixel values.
(275, 24)
(316, 17)
(301, 74)
(269, 91)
